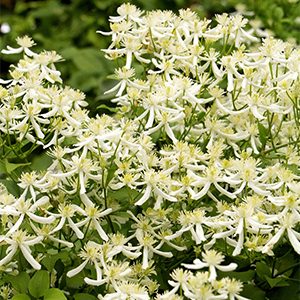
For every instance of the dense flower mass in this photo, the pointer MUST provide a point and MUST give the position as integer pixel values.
(199, 164)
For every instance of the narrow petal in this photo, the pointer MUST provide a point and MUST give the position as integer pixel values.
(293, 240)
(77, 269)
(228, 268)
(27, 254)
(9, 256)
(145, 196)
(100, 230)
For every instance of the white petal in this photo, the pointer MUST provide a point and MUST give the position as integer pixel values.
(77, 269)
(145, 196)
(228, 268)
(9, 256)
(100, 230)
(77, 231)
(145, 258)
(293, 240)
(27, 254)
(39, 219)
(197, 264)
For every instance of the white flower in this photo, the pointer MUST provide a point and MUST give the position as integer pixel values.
(20, 240)
(93, 216)
(212, 260)
(25, 43)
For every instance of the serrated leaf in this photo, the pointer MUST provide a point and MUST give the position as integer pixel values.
(54, 294)
(39, 283)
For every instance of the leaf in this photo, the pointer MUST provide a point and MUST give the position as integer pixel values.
(39, 284)
(2, 167)
(86, 59)
(278, 13)
(263, 134)
(288, 293)
(10, 167)
(11, 186)
(19, 282)
(50, 260)
(262, 270)
(276, 282)
(83, 296)
(111, 173)
(252, 292)
(242, 276)
(41, 162)
(21, 297)
(54, 294)
(105, 107)
(75, 282)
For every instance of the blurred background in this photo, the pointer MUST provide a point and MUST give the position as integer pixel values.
(69, 27)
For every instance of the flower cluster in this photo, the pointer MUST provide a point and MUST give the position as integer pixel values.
(202, 152)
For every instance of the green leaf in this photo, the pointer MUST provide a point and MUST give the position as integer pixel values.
(111, 109)
(75, 282)
(83, 296)
(2, 167)
(86, 60)
(278, 281)
(41, 162)
(19, 282)
(21, 297)
(278, 13)
(54, 294)
(262, 270)
(111, 173)
(50, 259)
(263, 134)
(11, 186)
(242, 276)
(10, 167)
(289, 293)
(39, 284)
(253, 292)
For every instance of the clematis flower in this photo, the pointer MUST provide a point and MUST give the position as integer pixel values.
(211, 260)
(25, 43)
(20, 240)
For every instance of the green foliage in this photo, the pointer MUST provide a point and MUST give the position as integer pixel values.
(39, 284)
(19, 282)
(21, 297)
(54, 294)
